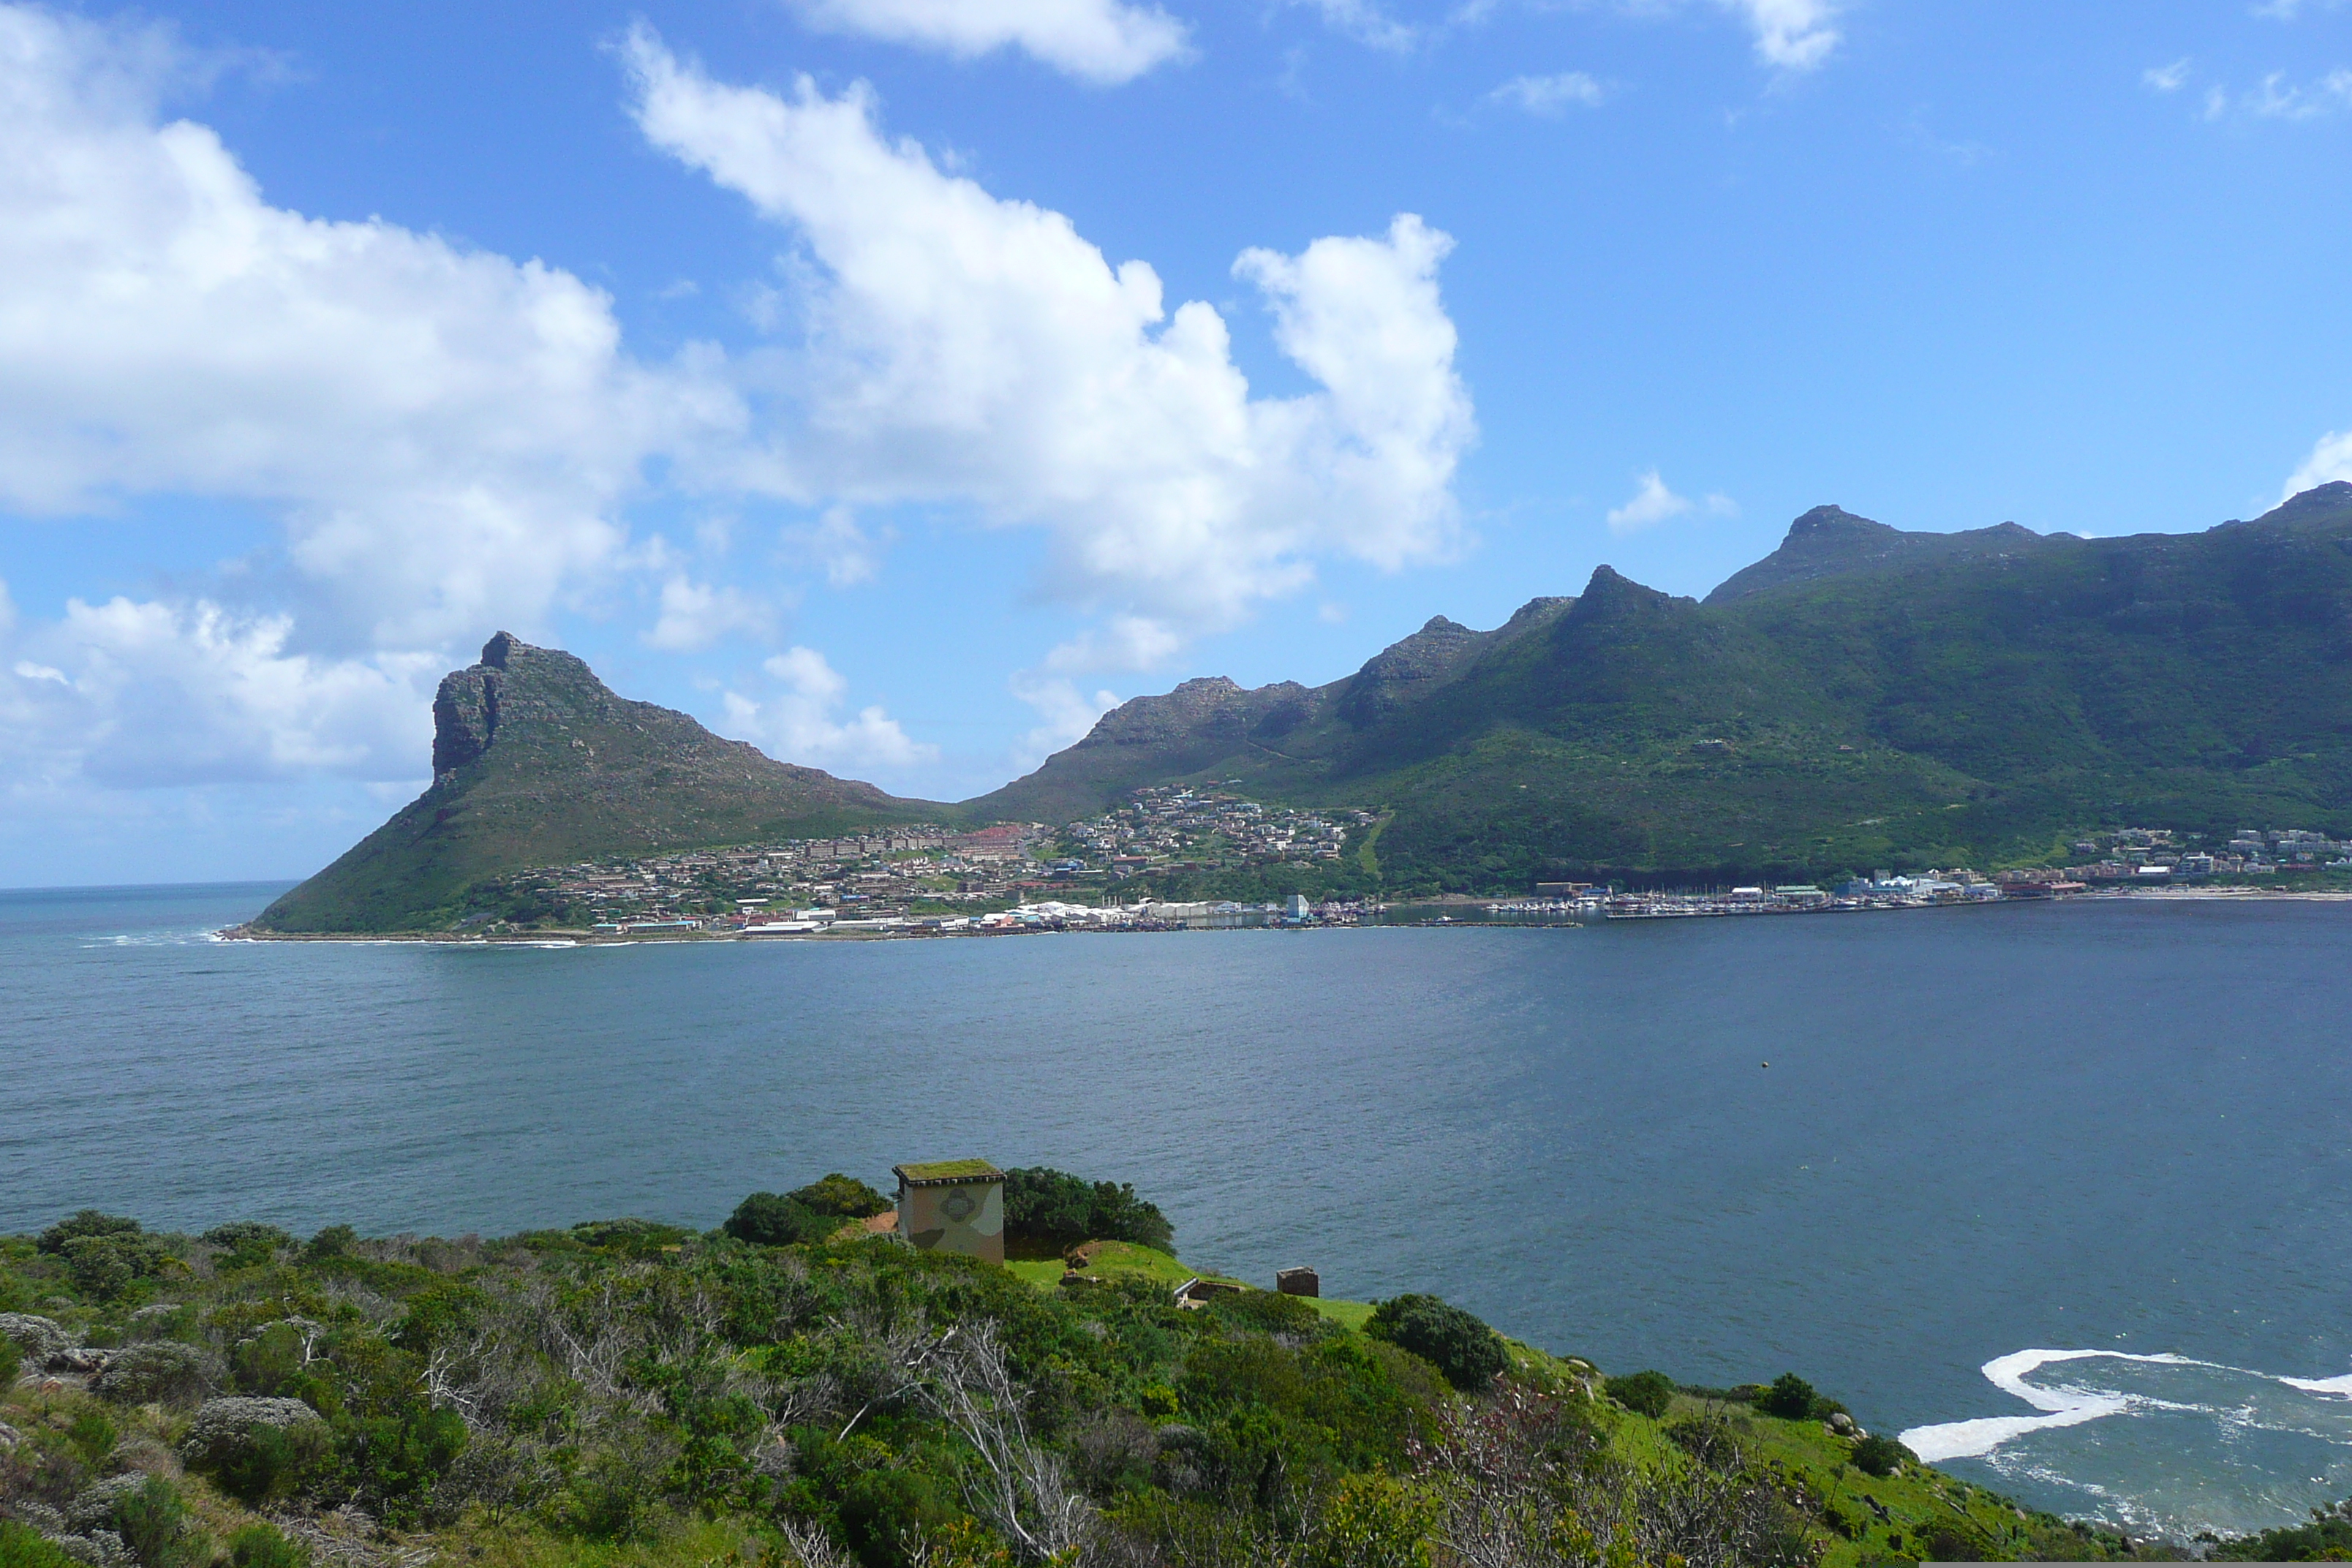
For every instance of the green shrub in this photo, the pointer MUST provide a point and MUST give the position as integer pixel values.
(268, 1362)
(257, 1449)
(1644, 1393)
(85, 1223)
(154, 1524)
(1881, 1456)
(157, 1372)
(334, 1241)
(272, 1464)
(22, 1547)
(393, 1460)
(1954, 1541)
(1269, 1313)
(631, 1238)
(1371, 1522)
(1456, 1344)
(247, 1242)
(92, 1437)
(260, 1546)
(1056, 1209)
(1790, 1397)
(840, 1198)
(106, 1265)
(771, 1219)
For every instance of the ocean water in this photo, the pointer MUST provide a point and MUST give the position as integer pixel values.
(2064, 1192)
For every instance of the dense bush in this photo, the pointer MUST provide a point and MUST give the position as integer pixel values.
(261, 1546)
(840, 1196)
(334, 1241)
(1054, 1209)
(1790, 1397)
(154, 1524)
(22, 1547)
(1269, 1313)
(159, 1372)
(257, 1450)
(2326, 1539)
(1647, 1392)
(107, 1263)
(85, 1223)
(1881, 1456)
(772, 1219)
(1465, 1349)
(245, 1243)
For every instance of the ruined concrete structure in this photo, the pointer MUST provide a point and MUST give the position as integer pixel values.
(953, 1206)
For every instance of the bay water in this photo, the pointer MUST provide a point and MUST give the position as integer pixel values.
(2061, 1192)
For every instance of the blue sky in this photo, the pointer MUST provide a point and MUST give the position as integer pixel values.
(894, 383)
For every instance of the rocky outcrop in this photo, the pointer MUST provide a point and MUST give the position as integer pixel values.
(538, 763)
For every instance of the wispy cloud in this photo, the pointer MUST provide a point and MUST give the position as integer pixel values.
(1550, 95)
(1101, 41)
(2276, 96)
(2166, 78)
(1366, 22)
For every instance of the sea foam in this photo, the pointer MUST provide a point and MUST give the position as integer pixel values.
(2072, 1404)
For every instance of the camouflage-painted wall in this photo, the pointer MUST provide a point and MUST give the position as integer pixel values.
(966, 1218)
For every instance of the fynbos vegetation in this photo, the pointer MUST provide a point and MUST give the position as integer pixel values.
(629, 1392)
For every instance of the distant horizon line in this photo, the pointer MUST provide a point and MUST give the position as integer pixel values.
(6, 889)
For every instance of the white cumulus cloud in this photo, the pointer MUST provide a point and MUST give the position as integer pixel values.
(964, 348)
(445, 432)
(798, 720)
(138, 695)
(2330, 460)
(445, 435)
(1065, 713)
(1102, 41)
(696, 614)
(1793, 35)
(1653, 503)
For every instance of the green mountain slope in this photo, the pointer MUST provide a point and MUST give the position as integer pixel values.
(1863, 696)
(537, 763)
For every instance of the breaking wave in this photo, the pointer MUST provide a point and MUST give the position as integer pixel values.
(2166, 1441)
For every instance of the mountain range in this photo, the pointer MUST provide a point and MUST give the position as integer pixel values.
(1862, 697)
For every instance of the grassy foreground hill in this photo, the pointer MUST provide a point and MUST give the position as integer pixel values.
(632, 1392)
(1862, 697)
(537, 763)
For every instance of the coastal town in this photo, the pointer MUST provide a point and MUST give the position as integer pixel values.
(1098, 874)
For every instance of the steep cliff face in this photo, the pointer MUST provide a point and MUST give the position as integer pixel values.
(536, 762)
